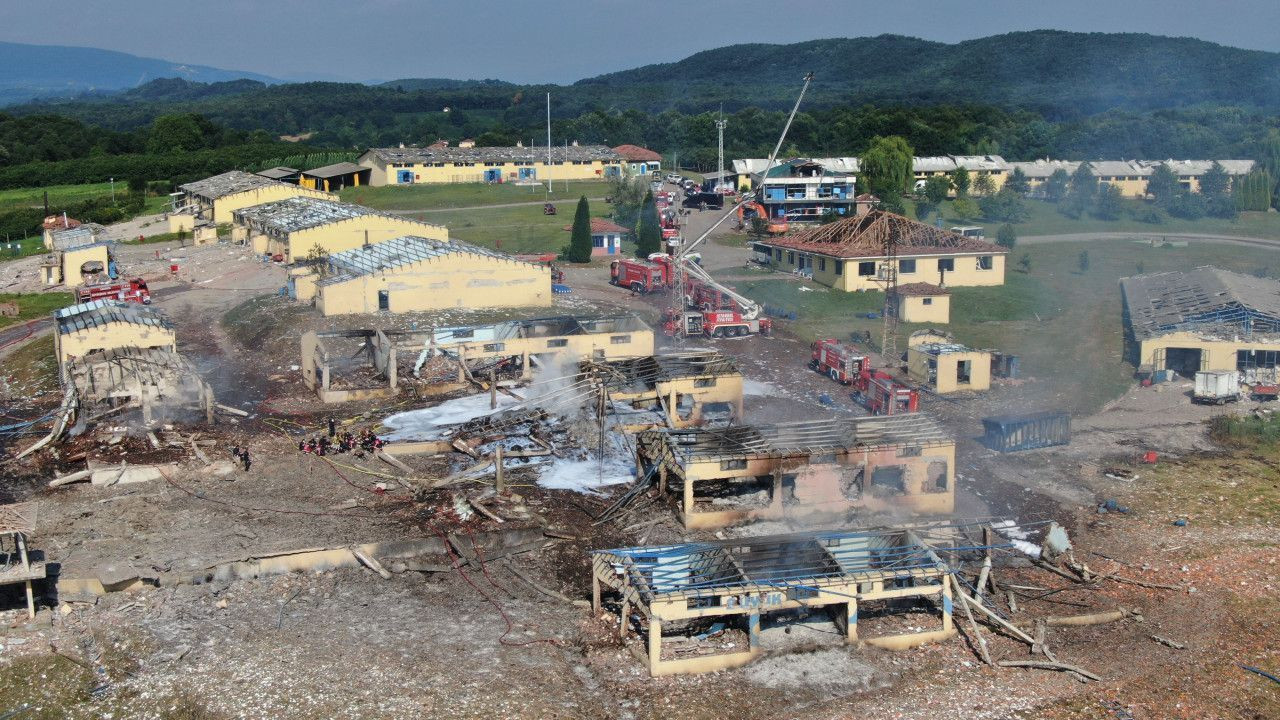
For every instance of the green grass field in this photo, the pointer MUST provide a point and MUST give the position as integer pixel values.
(34, 305)
(1045, 219)
(1065, 325)
(521, 229)
(68, 194)
(440, 197)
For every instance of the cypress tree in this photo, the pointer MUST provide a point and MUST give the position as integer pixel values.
(648, 229)
(580, 240)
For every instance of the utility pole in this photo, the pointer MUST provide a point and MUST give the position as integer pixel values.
(113, 191)
(720, 124)
(549, 145)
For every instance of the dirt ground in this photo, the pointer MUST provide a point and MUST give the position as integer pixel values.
(481, 641)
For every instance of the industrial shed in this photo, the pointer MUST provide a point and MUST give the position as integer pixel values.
(212, 201)
(413, 273)
(335, 177)
(828, 466)
(108, 324)
(292, 228)
(1203, 319)
(849, 254)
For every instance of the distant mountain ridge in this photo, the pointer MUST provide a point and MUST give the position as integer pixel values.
(59, 71)
(1040, 69)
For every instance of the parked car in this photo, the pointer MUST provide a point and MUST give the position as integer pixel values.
(704, 201)
(656, 185)
(674, 178)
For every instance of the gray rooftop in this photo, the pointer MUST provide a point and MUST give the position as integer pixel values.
(228, 183)
(94, 314)
(301, 213)
(401, 251)
(1207, 299)
(278, 172)
(335, 170)
(522, 155)
(86, 234)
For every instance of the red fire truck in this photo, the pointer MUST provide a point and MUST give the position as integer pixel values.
(875, 389)
(840, 362)
(640, 275)
(134, 290)
(713, 323)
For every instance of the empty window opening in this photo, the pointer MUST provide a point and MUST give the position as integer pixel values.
(964, 371)
(732, 493)
(839, 267)
(384, 300)
(946, 264)
(985, 262)
(1184, 361)
(889, 480)
(927, 301)
(936, 477)
(557, 342)
(704, 382)
(619, 339)
(735, 464)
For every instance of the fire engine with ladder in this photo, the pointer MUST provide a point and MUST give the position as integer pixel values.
(700, 305)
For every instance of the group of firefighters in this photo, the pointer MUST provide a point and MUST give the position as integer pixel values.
(366, 441)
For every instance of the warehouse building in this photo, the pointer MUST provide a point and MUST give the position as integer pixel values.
(410, 273)
(443, 164)
(294, 227)
(109, 324)
(332, 178)
(829, 466)
(850, 254)
(1203, 319)
(213, 201)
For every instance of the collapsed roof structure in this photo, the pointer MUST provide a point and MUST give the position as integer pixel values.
(831, 466)
(736, 582)
(865, 236)
(151, 379)
(1202, 319)
(670, 389)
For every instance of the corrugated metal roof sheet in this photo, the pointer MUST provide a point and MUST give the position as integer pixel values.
(401, 251)
(495, 154)
(302, 212)
(228, 183)
(1202, 298)
(103, 312)
(86, 234)
(335, 170)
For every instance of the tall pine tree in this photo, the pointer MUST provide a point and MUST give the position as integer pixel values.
(580, 240)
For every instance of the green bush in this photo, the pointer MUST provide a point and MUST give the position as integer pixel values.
(1245, 430)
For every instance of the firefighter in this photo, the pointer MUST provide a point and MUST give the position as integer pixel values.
(245, 459)
(333, 427)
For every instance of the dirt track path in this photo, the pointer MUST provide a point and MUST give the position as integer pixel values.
(1087, 237)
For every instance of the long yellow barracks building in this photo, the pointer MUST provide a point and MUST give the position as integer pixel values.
(443, 164)
(292, 228)
(408, 274)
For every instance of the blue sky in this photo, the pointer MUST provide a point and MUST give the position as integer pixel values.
(565, 40)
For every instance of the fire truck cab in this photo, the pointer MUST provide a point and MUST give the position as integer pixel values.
(640, 276)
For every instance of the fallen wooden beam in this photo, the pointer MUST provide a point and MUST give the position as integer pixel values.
(530, 582)
(231, 410)
(1046, 665)
(1089, 619)
(73, 477)
(371, 563)
(392, 461)
(480, 508)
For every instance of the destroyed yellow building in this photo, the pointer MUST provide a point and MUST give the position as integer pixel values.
(330, 366)
(676, 390)
(1203, 319)
(948, 367)
(830, 466)
(213, 200)
(738, 583)
(147, 378)
(296, 227)
(106, 325)
(412, 273)
(77, 265)
(921, 303)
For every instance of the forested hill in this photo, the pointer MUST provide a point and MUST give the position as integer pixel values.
(30, 71)
(1053, 72)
